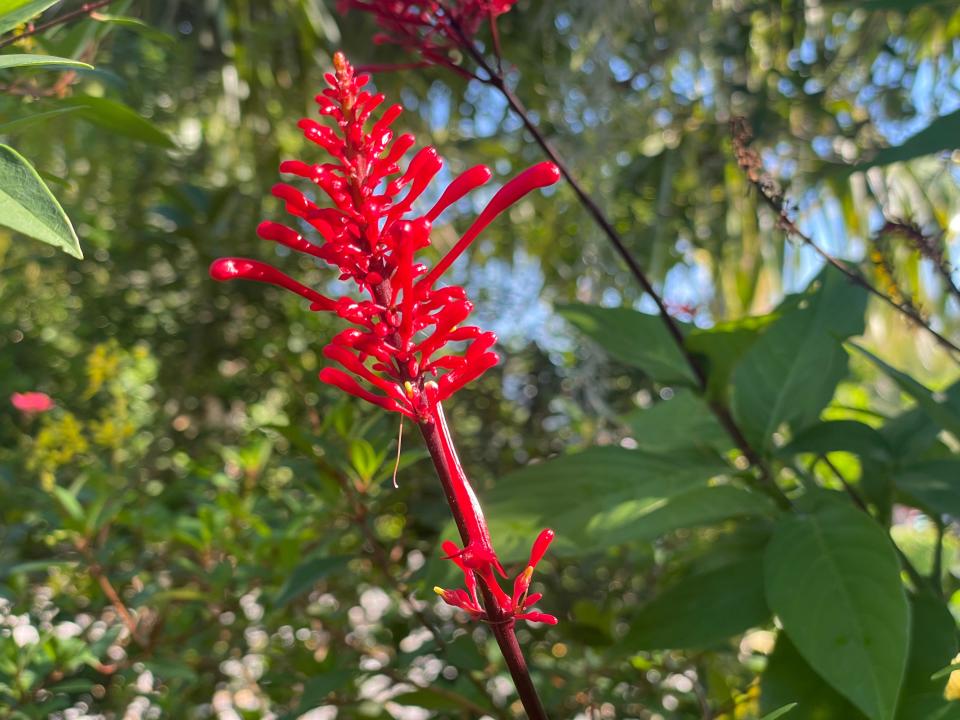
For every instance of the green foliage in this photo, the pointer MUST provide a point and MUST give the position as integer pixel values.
(195, 474)
(833, 580)
(790, 373)
(28, 206)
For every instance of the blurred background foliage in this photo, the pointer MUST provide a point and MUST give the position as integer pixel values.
(201, 529)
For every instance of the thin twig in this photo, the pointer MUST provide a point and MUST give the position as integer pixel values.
(84, 9)
(96, 572)
(768, 190)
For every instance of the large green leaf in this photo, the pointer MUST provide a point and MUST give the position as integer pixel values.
(846, 435)
(933, 644)
(682, 421)
(833, 579)
(790, 373)
(633, 338)
(722, 346)
(15, 12)
(118, 118)
(609, 495)
(933, 484)
(704, 609)
(942, 134)
(27, 60)
(789, 679)
(942, 408)
(28, 207)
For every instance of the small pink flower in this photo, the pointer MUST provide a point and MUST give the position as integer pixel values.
(32, 403)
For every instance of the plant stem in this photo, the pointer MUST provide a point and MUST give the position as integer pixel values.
(467, 515)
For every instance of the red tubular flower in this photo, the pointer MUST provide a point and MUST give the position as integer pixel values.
(432, 28)
(396, 356)
(511, 608)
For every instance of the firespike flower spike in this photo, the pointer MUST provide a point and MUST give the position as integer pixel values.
(432, 28)
(396, 355)
(404, 326)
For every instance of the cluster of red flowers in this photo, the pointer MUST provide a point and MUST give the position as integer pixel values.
(396, 355)
(432, 28)
(392, 357)
(517, 606)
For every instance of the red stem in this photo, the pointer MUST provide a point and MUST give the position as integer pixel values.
(473, 527)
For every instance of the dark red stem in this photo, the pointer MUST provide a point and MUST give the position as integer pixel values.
(470, 521)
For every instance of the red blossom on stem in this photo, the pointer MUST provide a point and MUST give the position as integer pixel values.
(396, 354)
(512, 607)
(432, 28)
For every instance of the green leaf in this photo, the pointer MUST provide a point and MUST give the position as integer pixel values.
(722, 346)
(840, 435)
(942, 408)
(788, 679)
(15, 12)
(633, 338)
(933, 484)
(946, 671)
(833, 579)
(790, 374)
(28, 207)
(14, 125)
(68, 501)
(942, 134)
(306, 575)
(779, 712)
(608, 495)
(682, 421)
(138, 26)
(933, 642)
(704, 609)
(27, 60)
(118, 118)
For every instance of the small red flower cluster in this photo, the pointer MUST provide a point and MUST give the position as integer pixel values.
(32, 403)
(432, 28)
(512, 607)
(407, 321)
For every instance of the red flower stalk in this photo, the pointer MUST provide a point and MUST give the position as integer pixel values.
(395, 356)
(431, 28)
(397, 353)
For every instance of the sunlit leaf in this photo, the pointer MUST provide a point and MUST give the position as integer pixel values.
(833, 579)
(16, 12)
(28, 207)
(20, 60)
